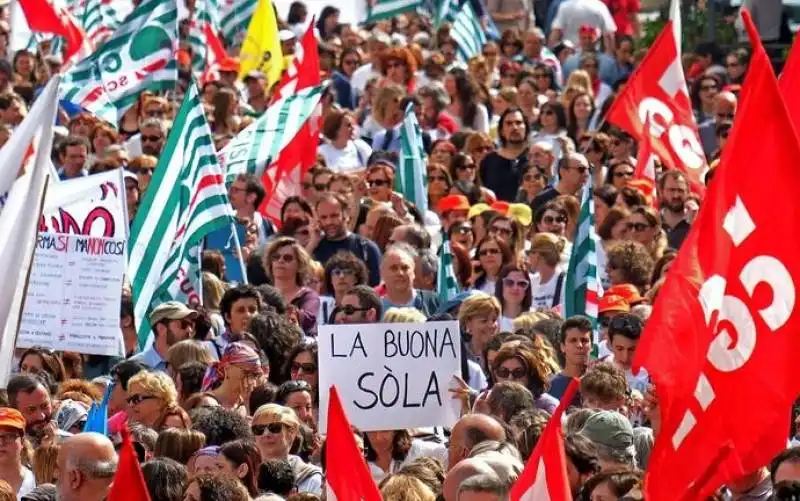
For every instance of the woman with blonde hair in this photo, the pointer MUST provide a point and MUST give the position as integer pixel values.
(478, 317)
(45, 463)
(275, 428)
(153, 401)
(403, 316)
(547, 277)
(288, 266)
(400, 487)
(143, 166)
(517, 361)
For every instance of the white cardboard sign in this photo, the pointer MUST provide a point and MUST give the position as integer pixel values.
(391, 376)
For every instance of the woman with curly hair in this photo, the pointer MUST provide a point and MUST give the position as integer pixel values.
(40, 359)
(518, 362)
(153, 401)
(343, 271)
(629, 263)
(399, 66)
(288, 266)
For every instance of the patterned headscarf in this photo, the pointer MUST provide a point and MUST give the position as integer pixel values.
(238, 354)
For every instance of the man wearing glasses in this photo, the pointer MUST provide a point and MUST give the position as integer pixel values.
(171, 322)
(362, 305)
(573, 171)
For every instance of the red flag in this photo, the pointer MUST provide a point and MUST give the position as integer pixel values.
(43, 17)
(214, 57)
(348, 477)
(724, 326)
(790, 83)
(282, 179)
(129, 481)
(545, 474)
(656, 92)
(646, 159)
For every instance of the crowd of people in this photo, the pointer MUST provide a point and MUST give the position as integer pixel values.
(224, 404)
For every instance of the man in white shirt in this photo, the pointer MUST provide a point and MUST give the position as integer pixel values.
(572, 14)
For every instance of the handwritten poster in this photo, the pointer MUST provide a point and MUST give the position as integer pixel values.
(74, 294)
(391, 376)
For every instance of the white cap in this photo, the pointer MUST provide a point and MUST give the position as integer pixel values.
(286, 35)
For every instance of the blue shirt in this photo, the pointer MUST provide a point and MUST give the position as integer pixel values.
(151, 358)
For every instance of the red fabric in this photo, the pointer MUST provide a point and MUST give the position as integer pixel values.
(348, 477)
(43, 17)
(545, 474)
(216, 57)
(282, 179)
(722, 341)
(657, 92)
(128, 481)
(623, 11)
(790, 84)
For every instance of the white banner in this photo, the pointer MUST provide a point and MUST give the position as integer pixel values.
(74, 293)
(391, 376)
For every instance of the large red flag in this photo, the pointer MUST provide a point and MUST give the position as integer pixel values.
(348, 477)
(214, 57)
(722, 342)
(790, 83)
(282, 179)
(43, 17)
(545, 474)
(656, 93)
(129, 481)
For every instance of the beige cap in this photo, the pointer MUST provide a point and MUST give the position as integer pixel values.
(171, 310)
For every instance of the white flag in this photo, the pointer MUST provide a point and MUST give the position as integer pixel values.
(24, 169)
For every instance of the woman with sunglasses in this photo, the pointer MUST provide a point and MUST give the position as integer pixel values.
(619, 173)
(552, 218)
(276, 427)
(153, 401)
(547, 278)
(492, 254)
(534, 180)
(230, 380)
(519, 362)
(551, 125)
(288, 266)
(510, 231)
(439, 183)
(514, 293)
(350, 60)
(343, 271)
(300, 228)
(302, 365)
(644, 226)
(703, 93)
(464, 167)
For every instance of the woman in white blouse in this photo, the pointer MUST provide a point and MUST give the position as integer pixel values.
(341, 151)
(388, 451)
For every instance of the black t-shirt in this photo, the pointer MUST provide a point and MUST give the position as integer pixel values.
(362, 248)
(503, 176)
(544, 196)
(676, 235)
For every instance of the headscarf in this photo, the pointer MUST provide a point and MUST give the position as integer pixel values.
(238, 354)
(69, 414)
(210, 451)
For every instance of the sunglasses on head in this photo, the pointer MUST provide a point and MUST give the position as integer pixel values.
(273, 428)
(517, 373)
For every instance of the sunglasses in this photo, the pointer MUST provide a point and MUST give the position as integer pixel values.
(349, 310)
(307, 186)
(138, 398)
(554, 220)
(532, 177)
(320, 187)
(437, 178)
(272, 428)
(488, 252)
(522, 284)
(638, 227)
(377, 183)
(547, 113)
(463, 230)
(501, 230)
(623, 173)
(286, 258)
(517, 373)
(151, 139)
(467, 166)
(341, 272)
(307, 368)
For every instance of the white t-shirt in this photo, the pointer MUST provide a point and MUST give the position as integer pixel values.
(361, 76)
(543, 293)
(351, 158)
(419, 448)
(506, 324)
(572, 14)
(28, 483)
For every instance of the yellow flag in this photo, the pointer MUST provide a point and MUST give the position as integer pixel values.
(261, 49)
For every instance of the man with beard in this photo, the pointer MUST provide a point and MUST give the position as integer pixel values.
(674, 191)
(31, 397)
(171, 322)
(153, 134)
(501, 170)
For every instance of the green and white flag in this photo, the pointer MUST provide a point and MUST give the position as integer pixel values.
(205, 12)
(412, 176)
(387, 9)
(100, 18)
(582, 287)
(235, 21)
(187, 201)
(140, 55)
(444, 11)
(468, 33)
(446, 283)
(259, 145)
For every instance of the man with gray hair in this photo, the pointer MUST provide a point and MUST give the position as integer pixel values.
(427, 267)
(398, 274)
(86, 463)
(542, 157)
(153, 133)
(573, 172)
(482, 488)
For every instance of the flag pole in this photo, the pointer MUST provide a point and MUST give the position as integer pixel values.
(239, 253)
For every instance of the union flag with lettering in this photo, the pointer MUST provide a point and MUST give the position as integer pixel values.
(722, 343)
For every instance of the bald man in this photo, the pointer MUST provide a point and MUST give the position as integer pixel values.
(466, 469)
(724, 110)
(468, 432)
(86, 464)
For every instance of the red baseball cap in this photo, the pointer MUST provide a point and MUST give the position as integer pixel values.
(12, 418)
(628, 292)
(613, 302)
(453, 202)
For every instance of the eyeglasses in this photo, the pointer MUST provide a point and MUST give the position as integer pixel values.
(467, 166)
(581, 169)
(623, 173)
(638, 227)
(151, 139)
(273, 428)
(547, 113)
(517, 373)
(320, 187)
(139, 398)
(532, 177)
(488, 252)
(286, 258)
(377, 183)
(307, 368)
(342, 272)
(307, 186)
(9, 438)
(349, 310)
(522, 284)
(437, 178)
(501, 230)
(554, 220)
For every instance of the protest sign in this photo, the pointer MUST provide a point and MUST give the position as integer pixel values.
(74, 294)
(391, 376)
